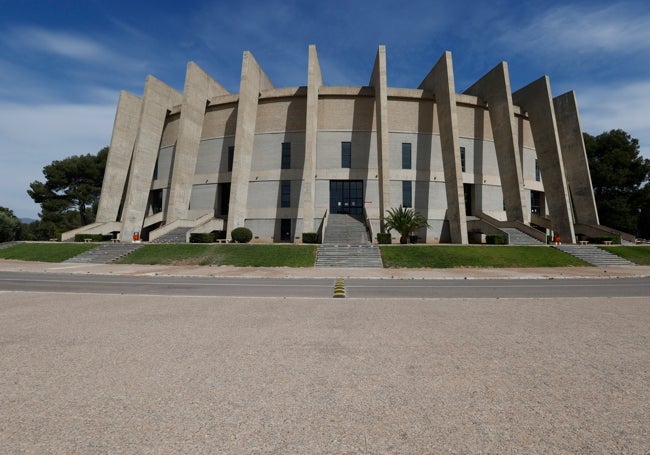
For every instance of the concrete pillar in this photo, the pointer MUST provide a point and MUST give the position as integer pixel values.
(379, 82)
(253, 80)
(536, 100)
(125, 130)
(494, 88)
(574, 155)
(314, 82)
(158, 99)
(440, 81)
(199, 88)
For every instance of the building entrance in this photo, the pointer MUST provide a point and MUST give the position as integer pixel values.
(346, 196)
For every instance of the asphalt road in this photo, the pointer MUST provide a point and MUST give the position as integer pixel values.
(323, 288)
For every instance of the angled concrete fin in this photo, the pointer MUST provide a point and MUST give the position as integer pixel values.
(125, 131)
(494, 88)
(159, 98)
(575, 160)
(535, 99)
(440, 81)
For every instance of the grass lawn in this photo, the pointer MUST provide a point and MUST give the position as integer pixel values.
(640, 255)
(240, 255)
(45, 252)
(443, 256)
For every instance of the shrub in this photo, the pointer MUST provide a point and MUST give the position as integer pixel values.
(201, 237)
(310, 237)
(496, 239)
(241, 235)
(219, 235)
(384, 238)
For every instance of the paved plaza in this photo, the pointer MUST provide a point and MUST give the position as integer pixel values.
(83, 373)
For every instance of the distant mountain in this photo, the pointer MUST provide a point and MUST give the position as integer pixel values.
(27, 220)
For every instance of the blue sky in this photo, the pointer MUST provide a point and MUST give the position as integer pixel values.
(63, 63)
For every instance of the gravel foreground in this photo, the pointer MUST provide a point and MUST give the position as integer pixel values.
(124, 374)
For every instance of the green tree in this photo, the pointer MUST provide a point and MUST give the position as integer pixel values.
(70, 193)
(404, 221)
(9, 225)
(619, 175)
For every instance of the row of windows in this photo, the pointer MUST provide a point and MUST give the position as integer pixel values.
(346, 157)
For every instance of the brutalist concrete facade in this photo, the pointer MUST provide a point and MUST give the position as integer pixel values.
(279, 160)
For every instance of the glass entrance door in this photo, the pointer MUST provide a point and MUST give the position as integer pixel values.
(346, 196)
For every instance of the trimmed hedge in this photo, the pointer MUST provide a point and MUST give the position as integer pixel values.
(384, 238)
(496, 239)
(201, 237)
(310, 237)
(241, 235)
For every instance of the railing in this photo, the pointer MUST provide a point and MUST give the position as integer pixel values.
(366, 221)
(179, 224)
(541, 236)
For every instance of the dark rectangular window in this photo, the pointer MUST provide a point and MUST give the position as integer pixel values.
(286, 156)
(407, 193)
(231, 157)
(538, 175)
(462, 159)
(406, 155)
(346, 154)
(285, 193)
(285, 229)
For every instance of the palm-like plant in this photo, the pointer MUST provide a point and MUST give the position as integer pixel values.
(404, 221)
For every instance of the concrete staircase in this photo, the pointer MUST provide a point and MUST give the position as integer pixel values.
(517, 237)
(178, 235)
(346, 244)
(8, 244)
(330, 255)
(593, 255)
(346, 230)
(104, 253)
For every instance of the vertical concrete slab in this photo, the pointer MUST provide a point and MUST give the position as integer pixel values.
(494, 88)
(440, 81)
(535, 99)
(575, 160)
(125, 131)
(253, 80)
(199, 88)
(158, 99)
(379, 81)
(314, 82)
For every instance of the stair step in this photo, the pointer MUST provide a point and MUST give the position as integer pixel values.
(594, 255)
(177, 235)
(332, 255)
(105, 253)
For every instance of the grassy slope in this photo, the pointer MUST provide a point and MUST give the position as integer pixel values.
(246, 255)
(257, 255)
(638, 254)
(45, 252)
(442, 256)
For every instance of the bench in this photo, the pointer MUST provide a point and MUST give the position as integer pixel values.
(88, 240)
(115, 240)
(584, 242)
(607, 242)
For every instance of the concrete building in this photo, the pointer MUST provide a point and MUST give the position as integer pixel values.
(281, 160)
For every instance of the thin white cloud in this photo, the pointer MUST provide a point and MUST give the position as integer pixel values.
(583, 29)
(627, 107)
(57, 43)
